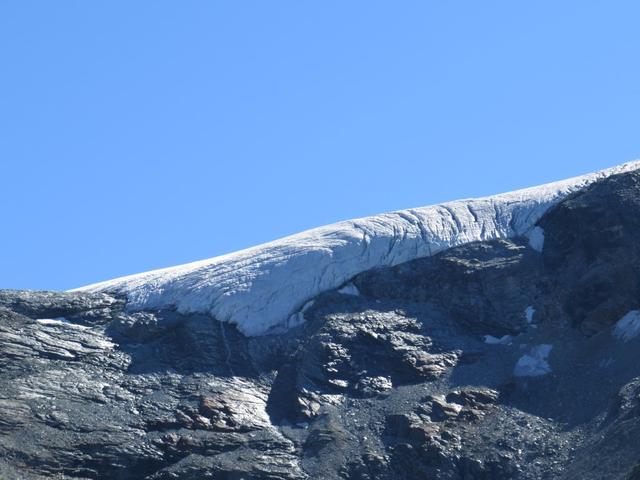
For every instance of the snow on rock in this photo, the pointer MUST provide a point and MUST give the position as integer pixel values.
(504, 340)
(60, 322)
(349, 289)
(536, 238)
(259, 288)
(628, 327)
(529, 313)
(298, 317)
(534, 363)
(51, 321)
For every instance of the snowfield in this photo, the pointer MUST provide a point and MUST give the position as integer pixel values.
(262, 289)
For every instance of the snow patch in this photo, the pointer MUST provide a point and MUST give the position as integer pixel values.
(628, 327)
(529, 313)
(307, 305)
(350, 289)
(504, 340)
(102, 343)
(60, 322)
(535, 363)
(259, 288)
(536, 238)
(298, 317)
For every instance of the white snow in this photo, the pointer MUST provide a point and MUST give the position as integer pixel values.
(50, 321)
(536, 238)
(529, 313)
(628, 327)
(60, 322)
(349, 289)
(261, 287)
(535, 363)
(298, 317)
(504, 340)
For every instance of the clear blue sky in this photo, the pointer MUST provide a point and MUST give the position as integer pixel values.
(141, 134)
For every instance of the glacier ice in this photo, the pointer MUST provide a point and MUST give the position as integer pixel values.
(260, 288)
(536, 238)
(298, 317)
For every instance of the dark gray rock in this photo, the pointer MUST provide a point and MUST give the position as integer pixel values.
(592, 254)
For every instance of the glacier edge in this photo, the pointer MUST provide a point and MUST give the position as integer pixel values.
(259, 288)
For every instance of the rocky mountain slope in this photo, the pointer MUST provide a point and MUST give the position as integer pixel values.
(507, 352)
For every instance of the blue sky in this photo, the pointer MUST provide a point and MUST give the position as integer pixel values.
(137, 135)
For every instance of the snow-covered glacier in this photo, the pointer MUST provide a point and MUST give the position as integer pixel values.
(262, 289)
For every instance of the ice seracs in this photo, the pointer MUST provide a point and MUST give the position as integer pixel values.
(259, 289)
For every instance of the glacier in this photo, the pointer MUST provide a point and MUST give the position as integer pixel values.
(264, 288)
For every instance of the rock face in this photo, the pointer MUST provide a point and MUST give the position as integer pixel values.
(494, 360)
